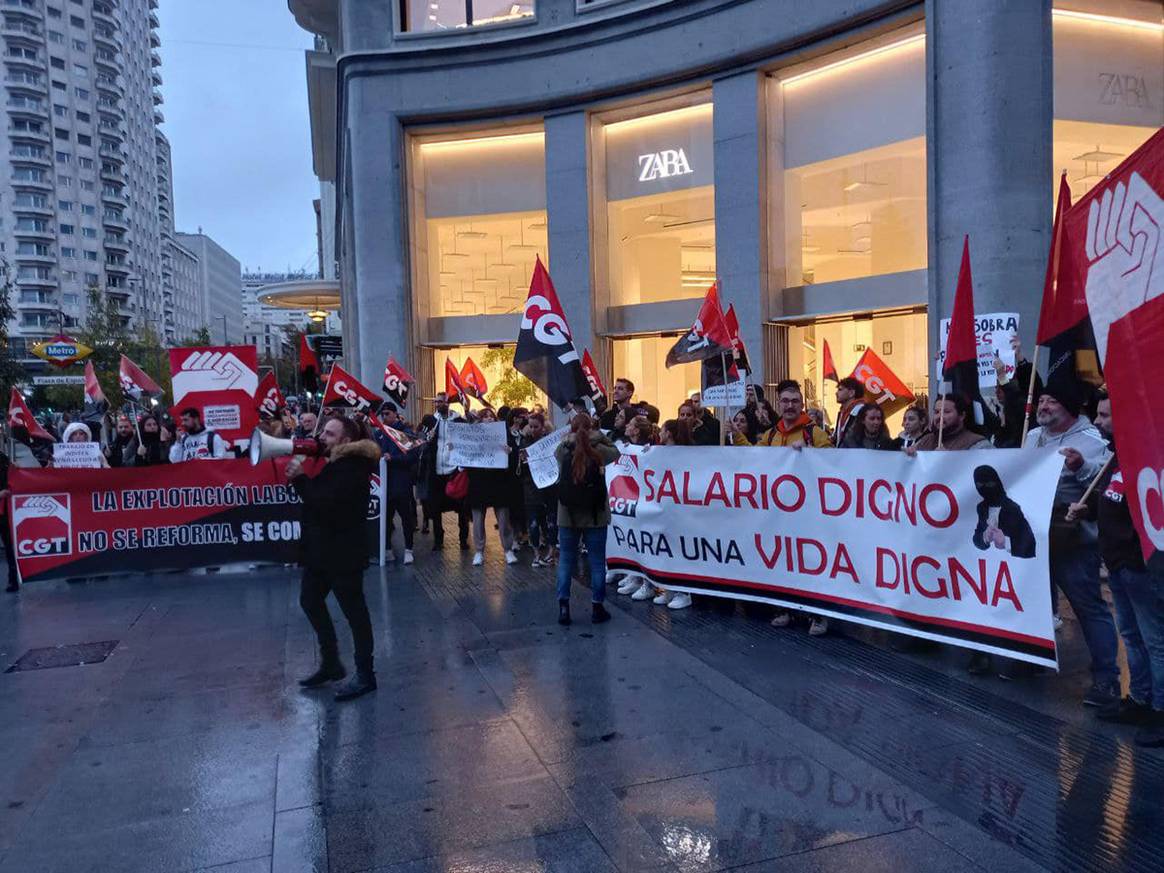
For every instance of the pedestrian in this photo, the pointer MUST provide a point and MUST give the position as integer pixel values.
(155, 443)
(913, 427)
(850, 396)
(541, 504)
(1074, 545)
(675, 432)
(401, 469)
(640, 432)
(1137, 593)
(583, 512)
(493, 489)
(435, 473)
(794, 428)
(334, 551)
(869, 431)
(196, 442)
(515, 423)
(308, 419)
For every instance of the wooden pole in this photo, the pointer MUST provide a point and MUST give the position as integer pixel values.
(1094, 482)
(941, 416)
(1030, 397)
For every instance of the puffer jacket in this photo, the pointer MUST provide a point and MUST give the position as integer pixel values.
(335, 509)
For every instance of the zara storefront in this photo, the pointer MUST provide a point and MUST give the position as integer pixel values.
(822, 161)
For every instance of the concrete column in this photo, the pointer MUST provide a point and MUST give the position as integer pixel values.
(374, 153)
(741, 195)
(988, 147)
(568, 211)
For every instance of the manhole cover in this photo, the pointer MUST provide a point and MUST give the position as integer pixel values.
(63, 656)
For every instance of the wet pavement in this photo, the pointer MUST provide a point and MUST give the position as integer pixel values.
(674, 741)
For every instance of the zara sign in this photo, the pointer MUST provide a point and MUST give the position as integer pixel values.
(663, 165)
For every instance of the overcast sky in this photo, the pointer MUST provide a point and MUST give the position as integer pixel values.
(236, 116)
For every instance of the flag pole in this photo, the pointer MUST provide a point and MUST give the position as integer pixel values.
(1096, 478)
(941, 415)
(1030, 397)
(326, 389)
(727, 397)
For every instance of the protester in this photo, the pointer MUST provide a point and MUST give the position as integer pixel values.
(753, 395)
(705, 425)
(401, 468)
(196, 442)
(745, 429)
(676, 432)
(621, 398)
(1137, 593)
(952, 418)
(583, 512)
(869, 431)
(122, 449)
(1074, 545)
(850, 396)
(493, 489)
(435, 473)
(22, 457)
(640, 432)
(515, 423)
(154, 448)
(794, 428)
(541, 504)
(913, 427)
(308, 419)
(427, 427)
(334, 551)
(818, 418)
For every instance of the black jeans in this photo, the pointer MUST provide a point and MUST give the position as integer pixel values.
(9, 551)
(404, 506)
(436, 512)
(348, 588)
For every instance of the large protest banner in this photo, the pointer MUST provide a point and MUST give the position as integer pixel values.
(950, 546)
(198, 514)
(478, 445)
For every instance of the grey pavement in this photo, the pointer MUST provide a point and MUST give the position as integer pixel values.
(674, 741)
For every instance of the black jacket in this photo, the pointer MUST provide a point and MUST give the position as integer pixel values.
(1012, 523)
(706, 433)
(335, 509)
(1119, 543)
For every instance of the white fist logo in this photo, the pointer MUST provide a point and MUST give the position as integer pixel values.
(1125, 249)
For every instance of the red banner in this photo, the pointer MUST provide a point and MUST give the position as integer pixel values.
(171, 517)
(221, 381)
(268, 398)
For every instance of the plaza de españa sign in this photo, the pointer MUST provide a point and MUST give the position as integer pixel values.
(60, 351)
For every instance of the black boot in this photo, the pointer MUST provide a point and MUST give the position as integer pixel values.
(331, 669)
(563, 612)
(598, 613)
(364, 682)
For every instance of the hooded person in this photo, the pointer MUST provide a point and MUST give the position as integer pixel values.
(1001, 522)
(79, 432)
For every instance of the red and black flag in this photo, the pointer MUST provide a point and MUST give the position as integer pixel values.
(454, 387)
(95, 402)
(19, 415)
(1064, 322)
(473, 380)
(346, 391)
(308, 365)
(960, 368)
(268, 398)
(738, 348)
(597, 389)
(135, 383)
(397, 383)
(828, 367)
(546, 354)
(708, 336)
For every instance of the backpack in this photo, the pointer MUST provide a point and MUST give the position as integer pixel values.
(589, 494)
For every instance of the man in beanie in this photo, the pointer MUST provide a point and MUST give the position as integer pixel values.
(1075, 544)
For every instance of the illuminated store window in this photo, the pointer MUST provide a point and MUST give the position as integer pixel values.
(660, 206)
(854, 158)
(1109, 88)
(479, 222)
(437, 15)
(898, 339)
(642, 361)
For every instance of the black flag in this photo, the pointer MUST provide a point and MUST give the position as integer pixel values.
(545, 349)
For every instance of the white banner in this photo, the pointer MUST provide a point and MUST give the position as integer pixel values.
(76, 455)
(477, 445)
(543, 466)
(950, 546)
(993, 333)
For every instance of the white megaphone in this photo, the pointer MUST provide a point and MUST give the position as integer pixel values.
(264, 447)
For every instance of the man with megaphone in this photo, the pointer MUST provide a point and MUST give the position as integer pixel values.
(335, 550)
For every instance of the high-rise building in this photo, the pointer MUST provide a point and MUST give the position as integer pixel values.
(84, 171)
(220, 287)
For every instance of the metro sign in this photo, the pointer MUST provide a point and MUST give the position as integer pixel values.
(664, 165)
(61, 351)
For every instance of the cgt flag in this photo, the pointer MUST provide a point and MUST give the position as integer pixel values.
(19, 415)
(134, 381)
(308, 365)
(473, 380)
(95, 401)
(1113, 247)
(268, 398)
(708, 336)
(882, 386)
(597, 389)
(454, 387)
(545, 347)
(828, 367)
(397, 382)
(346, 391)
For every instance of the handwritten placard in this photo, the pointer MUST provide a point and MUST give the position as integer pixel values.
(477, 445)
(543, 466)
(76, 455)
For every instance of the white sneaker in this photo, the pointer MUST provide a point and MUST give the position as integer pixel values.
(629, 585)
(478, 559)
(646, 592)
(682, 600)
(781, 619)
(663, 598)
(407, 556)
(818, 627)
(510, 557)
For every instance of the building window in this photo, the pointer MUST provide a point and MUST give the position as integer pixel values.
(85, 163)
(67, 230)
(480, 215)
(854, 165)
(65, 205)
(61, 133)
(77, 21)
(80, 69)
(60, 110)
(55, 36)
(64, 158)
(89, 232)
(83, 117)
(53, 13)
(82, 93)
(68, 252)
(87, 185)
(90, 255)
(80, 45)
(57, 63)
(426, 16)
(660, 206)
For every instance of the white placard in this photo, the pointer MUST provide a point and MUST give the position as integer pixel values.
(543, 466)
(993, 333)
(477, 445)
(77, 455)
(225, 417)
(732, 394)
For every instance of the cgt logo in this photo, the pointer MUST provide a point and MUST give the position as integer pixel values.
(353, 397)
(43, 525)
(374, 498)
(624, 487)
(1150, 486)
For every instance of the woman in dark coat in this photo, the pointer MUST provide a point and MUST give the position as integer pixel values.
(493, 489)
(869, 431)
